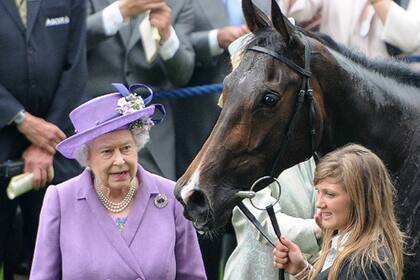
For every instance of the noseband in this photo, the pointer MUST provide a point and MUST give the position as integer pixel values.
(305, 93)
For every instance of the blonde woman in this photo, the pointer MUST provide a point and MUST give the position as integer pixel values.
(361, 236)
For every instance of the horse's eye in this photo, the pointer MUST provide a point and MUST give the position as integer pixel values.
(270, 100)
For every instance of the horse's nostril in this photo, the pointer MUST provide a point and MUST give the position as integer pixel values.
(197, 209)
(197, 206)
(197, 199)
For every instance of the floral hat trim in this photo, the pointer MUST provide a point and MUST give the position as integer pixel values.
(131, 102)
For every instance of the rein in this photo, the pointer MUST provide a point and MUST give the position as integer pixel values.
(305, 93)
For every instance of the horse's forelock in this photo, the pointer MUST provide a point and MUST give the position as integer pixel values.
(269, 38)
(266, 37)
(235, 60)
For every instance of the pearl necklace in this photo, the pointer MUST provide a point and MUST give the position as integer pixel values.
(119, 206)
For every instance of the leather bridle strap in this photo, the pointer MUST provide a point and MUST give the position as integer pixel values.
(261, 229)
(283, 59)
(255, 222)
(305, 92)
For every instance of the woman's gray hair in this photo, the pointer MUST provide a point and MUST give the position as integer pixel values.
(140, 138)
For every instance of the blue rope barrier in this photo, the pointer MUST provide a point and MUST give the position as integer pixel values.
(189, 91)
(411, 59)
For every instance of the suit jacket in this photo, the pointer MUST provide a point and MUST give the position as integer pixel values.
(120, 58)
(196, 116)
(372, 272)
(42, 69)
(78, 239)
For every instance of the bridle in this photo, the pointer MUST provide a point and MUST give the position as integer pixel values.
(305, 93)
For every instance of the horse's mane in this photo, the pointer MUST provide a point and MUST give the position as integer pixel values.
(388, 67)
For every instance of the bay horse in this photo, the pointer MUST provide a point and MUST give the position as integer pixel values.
(295, 93)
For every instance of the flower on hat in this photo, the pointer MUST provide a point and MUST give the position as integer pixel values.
(141, 125)
(130, 104)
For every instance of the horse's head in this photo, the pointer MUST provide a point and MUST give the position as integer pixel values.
(260, 131)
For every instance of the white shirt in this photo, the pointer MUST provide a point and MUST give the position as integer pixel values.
(112, 21)
(214, 47)
(355, 24)
(337, 244)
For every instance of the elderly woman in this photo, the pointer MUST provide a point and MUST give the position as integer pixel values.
(115, 220)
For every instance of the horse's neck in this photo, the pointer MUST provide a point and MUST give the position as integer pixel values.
(365, 107)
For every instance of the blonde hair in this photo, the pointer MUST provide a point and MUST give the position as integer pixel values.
(374, 235)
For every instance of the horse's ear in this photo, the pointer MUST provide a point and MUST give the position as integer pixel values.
(280, 22)
(255, 18)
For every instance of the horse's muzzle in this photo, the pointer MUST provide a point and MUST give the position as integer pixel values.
(197, 210)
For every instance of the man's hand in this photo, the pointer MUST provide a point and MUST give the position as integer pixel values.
(130, 8)
(41, 133)
(228, 34)
(38, 162)
(160, 17)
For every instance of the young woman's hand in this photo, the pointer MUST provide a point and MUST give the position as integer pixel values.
(287, 256)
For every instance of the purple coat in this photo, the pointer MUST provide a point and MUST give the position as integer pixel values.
(77, 239)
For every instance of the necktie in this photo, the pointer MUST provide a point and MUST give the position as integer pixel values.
(22, 8)
(234, 12)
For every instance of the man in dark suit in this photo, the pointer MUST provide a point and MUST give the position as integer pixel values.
(195, 116)
(42, 77)
(116, 54)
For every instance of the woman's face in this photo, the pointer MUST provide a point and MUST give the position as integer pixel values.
(113, 159)
(334, 204)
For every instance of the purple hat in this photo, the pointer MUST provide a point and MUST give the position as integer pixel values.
(107, 113)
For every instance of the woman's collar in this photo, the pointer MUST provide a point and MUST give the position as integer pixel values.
(338, 241)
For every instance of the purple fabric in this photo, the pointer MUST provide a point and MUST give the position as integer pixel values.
(77, 239)
(97, 117)
(121, 89)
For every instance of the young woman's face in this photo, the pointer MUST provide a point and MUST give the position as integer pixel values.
(334, 204)
(113, 159)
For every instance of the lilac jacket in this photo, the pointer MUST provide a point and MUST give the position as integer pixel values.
(77, 239)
